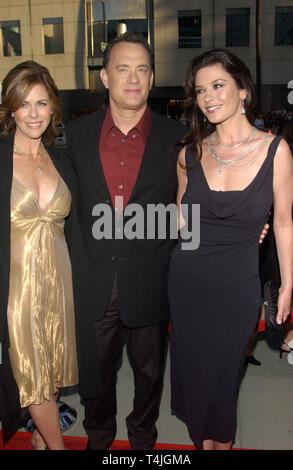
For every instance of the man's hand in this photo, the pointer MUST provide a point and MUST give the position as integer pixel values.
(264, 233)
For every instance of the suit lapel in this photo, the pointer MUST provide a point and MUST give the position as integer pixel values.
(64, 169)
(93, 159)
(150, 161)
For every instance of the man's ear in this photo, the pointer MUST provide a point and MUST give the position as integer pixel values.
(151, 79)
(104, 77)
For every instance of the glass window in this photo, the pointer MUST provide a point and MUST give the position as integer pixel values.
(125, 9)
(284, 26)
(115, 27)
(53, 35)
(189, 28)
(106, 20)
(11, 38)
(95, 27)
(237, 26)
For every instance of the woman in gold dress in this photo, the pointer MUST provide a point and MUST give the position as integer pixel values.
(37, 199)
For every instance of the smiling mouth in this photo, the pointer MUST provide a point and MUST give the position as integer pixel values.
(34, 125)
(211, 109)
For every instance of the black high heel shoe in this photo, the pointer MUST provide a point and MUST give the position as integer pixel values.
(252, 360)
(285, 350)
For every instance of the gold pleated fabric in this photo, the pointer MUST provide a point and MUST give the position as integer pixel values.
(40, 305)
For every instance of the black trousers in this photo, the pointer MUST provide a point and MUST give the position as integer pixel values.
(146, 349)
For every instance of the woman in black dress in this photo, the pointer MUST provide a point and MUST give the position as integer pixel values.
(235, 172)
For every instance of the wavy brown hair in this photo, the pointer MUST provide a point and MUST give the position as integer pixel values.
(17, 85)
(199, 127)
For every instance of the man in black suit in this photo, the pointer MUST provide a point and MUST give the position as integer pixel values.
(127, 151)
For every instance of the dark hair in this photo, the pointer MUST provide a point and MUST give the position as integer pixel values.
(17, 85)
(195, 118)
(134, 38)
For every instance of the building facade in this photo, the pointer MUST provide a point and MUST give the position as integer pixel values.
(69, 36)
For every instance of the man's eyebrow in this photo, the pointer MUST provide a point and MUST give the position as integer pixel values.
(139, 65)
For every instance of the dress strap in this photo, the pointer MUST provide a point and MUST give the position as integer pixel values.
(273, 146)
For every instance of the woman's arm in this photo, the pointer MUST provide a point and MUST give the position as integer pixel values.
(182, 183)
(283, 227)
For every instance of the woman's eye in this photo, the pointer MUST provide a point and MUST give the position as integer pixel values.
(218, 85)
(199, 91)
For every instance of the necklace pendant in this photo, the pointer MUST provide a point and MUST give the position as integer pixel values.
(39, 170)
(219, 171)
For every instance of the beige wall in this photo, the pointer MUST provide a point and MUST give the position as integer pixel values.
(69, 70)
(170, 61)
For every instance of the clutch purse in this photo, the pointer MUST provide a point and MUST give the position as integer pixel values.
(271, 293)
(67, 417)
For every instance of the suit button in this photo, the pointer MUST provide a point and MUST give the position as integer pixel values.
(113, 258)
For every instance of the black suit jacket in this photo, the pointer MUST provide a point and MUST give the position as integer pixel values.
(8, 389)
(141, 264)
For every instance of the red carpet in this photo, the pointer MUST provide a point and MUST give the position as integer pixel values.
(21, 441)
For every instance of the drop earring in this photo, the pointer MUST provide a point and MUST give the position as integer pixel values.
(12, 115)
(242, 111)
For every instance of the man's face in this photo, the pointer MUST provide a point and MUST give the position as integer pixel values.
(128, 76)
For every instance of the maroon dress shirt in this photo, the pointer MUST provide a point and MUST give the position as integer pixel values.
(121, 155)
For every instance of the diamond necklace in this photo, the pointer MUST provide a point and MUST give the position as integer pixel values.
(253, 159)
(234, 157)
(41, 160)
(230, 164)
(237, 144)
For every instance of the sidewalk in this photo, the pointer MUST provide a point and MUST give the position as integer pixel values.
(265, 410)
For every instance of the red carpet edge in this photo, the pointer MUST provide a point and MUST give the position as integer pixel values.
(21, 441)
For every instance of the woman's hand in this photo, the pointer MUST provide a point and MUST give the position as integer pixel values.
(284, 305)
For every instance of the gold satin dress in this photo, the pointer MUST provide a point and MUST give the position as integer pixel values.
(40, 305)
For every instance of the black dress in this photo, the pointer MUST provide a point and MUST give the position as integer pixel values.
(215, 297)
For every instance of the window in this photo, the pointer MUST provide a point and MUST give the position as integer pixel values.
(53, 35)
(284, 26)
(237, 26)
(106, 20)
(125, 15)
(120, 26)
(11, 39)
(189, 28)
(95, 27)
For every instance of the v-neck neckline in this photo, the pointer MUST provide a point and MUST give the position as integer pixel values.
(46, 209)
(238, 190)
